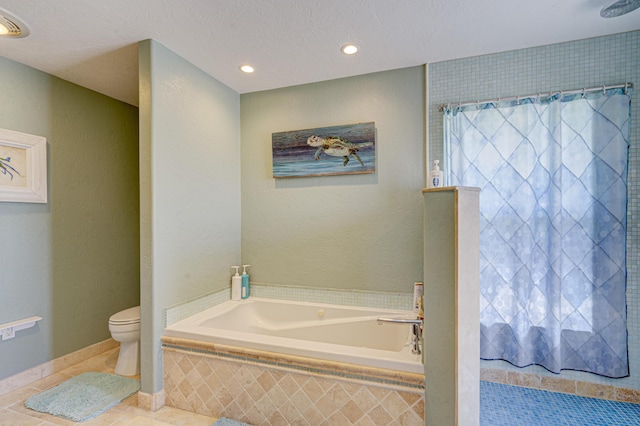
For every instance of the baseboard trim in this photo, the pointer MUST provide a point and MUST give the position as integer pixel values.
(151, 401)
(51, 367)
(557, 384)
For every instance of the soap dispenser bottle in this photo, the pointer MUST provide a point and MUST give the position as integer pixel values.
(236, 285)
(436, 175)
(245, 282)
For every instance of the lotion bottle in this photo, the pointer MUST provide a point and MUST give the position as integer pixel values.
(436, 175)
(418, 292)
(236, 285)
(245, 282)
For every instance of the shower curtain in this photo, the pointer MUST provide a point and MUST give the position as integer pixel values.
(553, 174)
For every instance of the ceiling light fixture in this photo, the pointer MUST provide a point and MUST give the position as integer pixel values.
(349, 49)
(247, 69)
(619, 8)
(10, 26)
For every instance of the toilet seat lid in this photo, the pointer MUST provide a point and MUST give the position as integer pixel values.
(128, 316)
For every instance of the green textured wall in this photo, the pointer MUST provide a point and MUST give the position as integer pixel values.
(190, 191)
(361, 232)
(75, 260)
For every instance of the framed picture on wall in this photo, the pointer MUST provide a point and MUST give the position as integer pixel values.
(23, 167)
(325, 151)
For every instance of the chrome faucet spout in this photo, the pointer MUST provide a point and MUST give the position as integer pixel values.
(416, 321)
(415, 340)
(416, 330)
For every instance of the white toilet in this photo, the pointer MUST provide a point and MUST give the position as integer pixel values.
(125, 328)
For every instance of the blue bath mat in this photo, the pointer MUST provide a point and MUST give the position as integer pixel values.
(83, 397)
(223, 421)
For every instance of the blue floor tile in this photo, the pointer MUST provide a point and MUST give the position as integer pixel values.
(505, 405)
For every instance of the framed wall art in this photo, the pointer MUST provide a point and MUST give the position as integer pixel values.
(23, 167)
(325, 151)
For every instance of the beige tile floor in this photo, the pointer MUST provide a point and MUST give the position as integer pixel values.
(14, 413)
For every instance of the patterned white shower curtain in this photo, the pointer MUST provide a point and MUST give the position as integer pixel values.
(553, 205)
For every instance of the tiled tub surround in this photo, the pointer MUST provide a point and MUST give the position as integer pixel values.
(265, 388)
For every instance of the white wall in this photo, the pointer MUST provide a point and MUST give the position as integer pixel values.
(190, 190)
(351, 232)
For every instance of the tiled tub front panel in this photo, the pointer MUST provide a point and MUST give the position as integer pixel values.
(260, 391)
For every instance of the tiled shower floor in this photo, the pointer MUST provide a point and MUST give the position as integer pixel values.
(504, 405)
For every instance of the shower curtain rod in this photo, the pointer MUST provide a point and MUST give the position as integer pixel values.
(538, 95)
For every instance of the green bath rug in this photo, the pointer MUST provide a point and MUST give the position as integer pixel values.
(83, 397)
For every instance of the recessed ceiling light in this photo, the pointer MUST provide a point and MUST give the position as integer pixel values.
(247, 68)
(11, 26)
(349, 49)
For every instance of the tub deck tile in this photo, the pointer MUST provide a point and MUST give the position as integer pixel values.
(274, 393)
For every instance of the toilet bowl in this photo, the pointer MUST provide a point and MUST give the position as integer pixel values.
(125, 328)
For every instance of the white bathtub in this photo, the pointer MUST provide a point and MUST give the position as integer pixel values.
(336, 333)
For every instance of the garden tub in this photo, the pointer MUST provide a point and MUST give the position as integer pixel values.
(335, 333)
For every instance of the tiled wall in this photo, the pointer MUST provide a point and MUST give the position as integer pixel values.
(181, 311)
(581, 64)
(262, 390)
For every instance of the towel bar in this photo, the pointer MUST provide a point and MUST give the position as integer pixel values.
(8, 330)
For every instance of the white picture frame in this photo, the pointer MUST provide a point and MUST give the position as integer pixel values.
(23, 167)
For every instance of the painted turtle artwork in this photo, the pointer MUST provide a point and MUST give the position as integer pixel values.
(325, 151)
(337, 147)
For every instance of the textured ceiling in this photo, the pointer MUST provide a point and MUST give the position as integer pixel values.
(93, 43)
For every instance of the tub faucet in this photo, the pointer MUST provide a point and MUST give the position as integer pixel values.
(416, 331)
